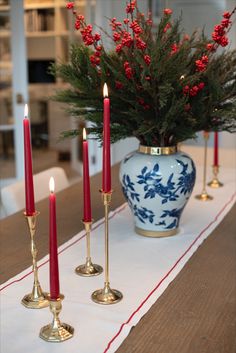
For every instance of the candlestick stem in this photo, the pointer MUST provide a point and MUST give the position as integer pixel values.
(88, 243)
(106, 209)
(88, 269)
(215, 183)
(37, 299)
(106, 295)
(56, 331)
(204, 196)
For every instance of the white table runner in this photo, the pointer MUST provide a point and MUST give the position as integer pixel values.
(141, 268)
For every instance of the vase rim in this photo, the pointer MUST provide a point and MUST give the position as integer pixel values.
(157, 151)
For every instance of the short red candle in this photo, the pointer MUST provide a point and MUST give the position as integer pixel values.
(106, 172)
(53, 257)
(29, 184)
(216, 150)
(86, 181)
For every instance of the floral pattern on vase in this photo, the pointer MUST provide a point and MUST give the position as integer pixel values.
(157, 188)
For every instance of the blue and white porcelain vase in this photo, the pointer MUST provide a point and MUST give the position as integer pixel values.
(157, 183)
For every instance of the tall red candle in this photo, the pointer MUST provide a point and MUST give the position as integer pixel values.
(53, 257)
(86, 181)
(216, 150)
(29, 184)
(106, 172)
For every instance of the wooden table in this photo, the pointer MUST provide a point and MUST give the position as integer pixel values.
(196, 313)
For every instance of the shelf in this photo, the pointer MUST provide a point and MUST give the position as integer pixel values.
(63, 3)
(41, 34)
(63, 33)
(4, 8)
(7, 127)
(4, 33)
(5, 65)
(39, 6)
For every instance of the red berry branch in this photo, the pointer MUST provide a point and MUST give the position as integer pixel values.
(130, 35)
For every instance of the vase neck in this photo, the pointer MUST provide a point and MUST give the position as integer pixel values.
(157, 151)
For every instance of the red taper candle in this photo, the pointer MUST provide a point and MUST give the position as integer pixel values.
(106, 172)
(53, 257)
(29, 184)
(216, 150)
(86, 181)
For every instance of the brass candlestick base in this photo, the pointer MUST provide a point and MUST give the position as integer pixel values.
(215, 183)
(107, 295)
(88, 269)
(37, 299)
(56, 331)
(204, 196)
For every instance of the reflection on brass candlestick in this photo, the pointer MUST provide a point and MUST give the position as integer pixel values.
(37, 298)
(56, 331)
(204, 196)
(215, 183)
(106, 295)
(88, 269)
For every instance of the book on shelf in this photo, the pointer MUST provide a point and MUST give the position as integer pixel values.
(5, 50)
(4, 21)
(39, 20)
(4, 2)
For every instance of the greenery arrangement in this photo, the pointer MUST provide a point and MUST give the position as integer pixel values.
(164, 85)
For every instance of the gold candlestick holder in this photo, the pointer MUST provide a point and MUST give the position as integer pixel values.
(215, 183)
(204, 196)
(37, 299)
(106, 295)
(56, 331)
(88, 269)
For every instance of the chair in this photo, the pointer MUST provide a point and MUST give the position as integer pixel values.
(13, 196)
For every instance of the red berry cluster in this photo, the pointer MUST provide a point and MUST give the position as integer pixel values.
(145, 105)
(219, 34)
(140, 44)
(119, 85)
(135, 27)
(167, 26)
(129, 72)
(147, 59)
(193, 91)
(202, 63)
(167, 11)
(174, 49)
(210, 47)
(131, 6)
(87, 35)
(123, 38)
(219, 37)
(115, 24)
(70, 5)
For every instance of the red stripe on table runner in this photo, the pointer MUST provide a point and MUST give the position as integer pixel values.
(167, 274)
(121, 208)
